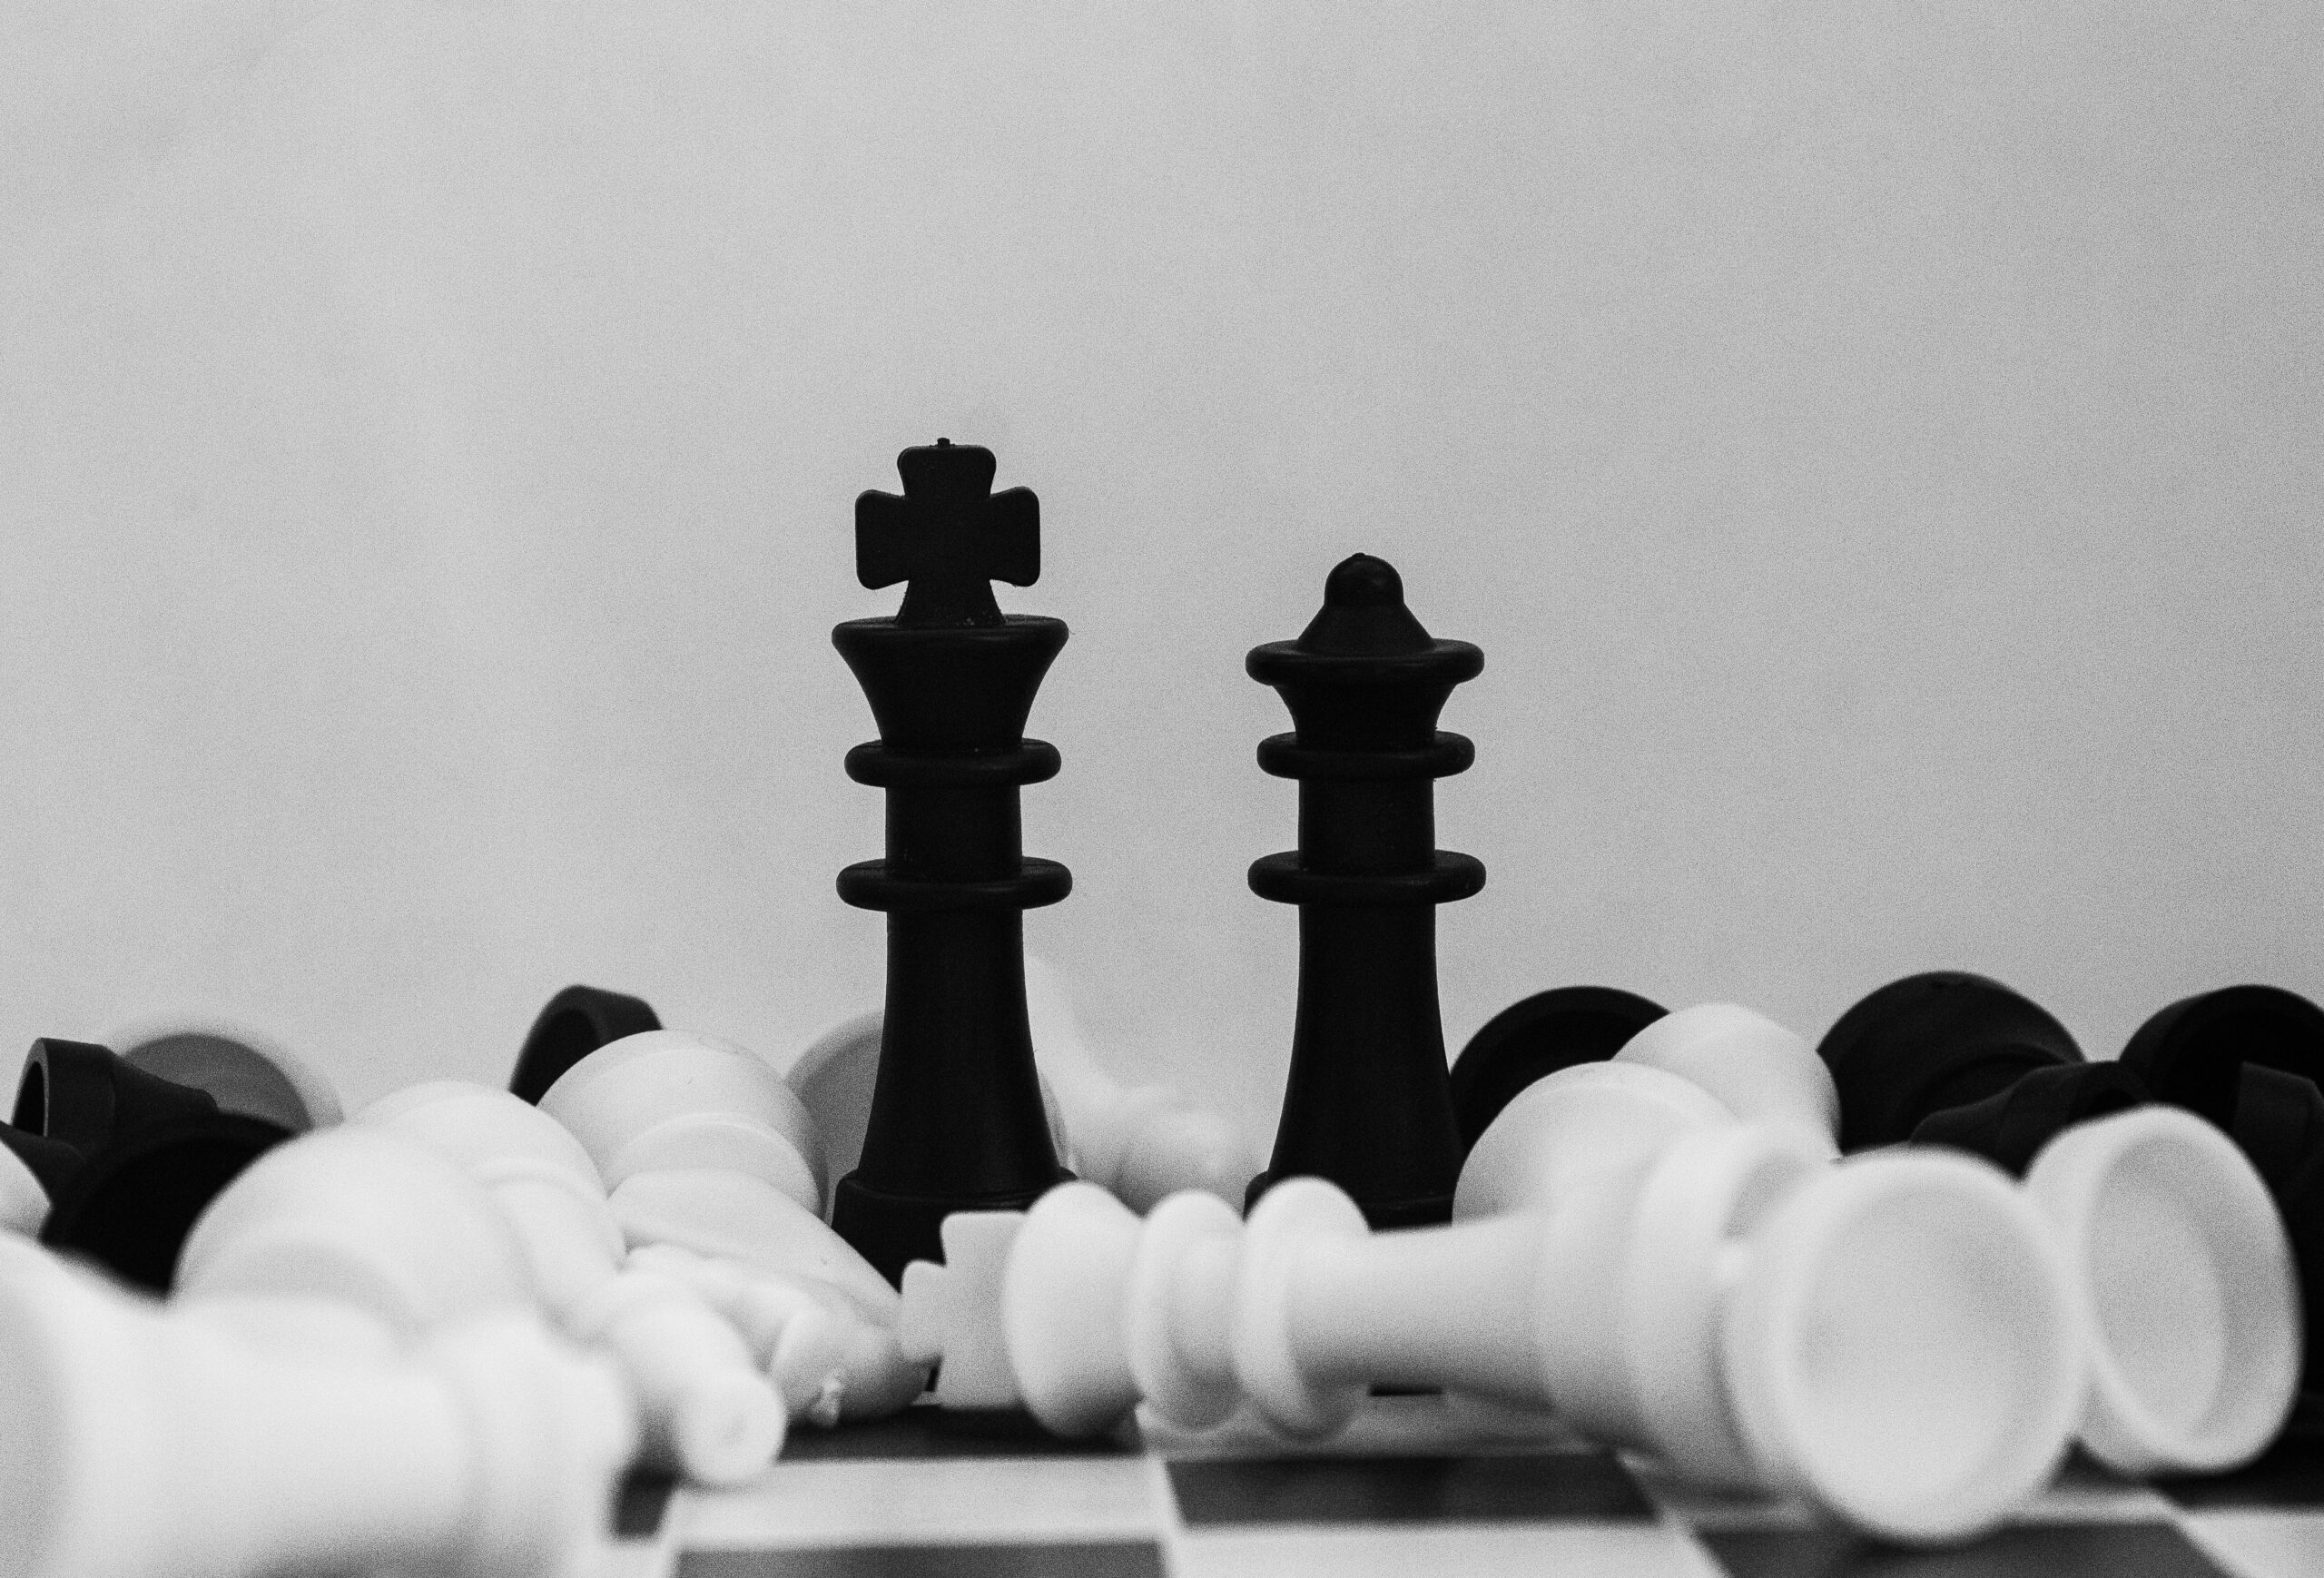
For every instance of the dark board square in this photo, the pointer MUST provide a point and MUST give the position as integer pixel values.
(639, 1502)
(2292, 1476)
(941, 1432)
(1213, 1491)
(1112, 1559)
(2027, 1551)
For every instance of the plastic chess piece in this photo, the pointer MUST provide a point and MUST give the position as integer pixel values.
(574, 1023)
(707, 1410)
(148, 1440)
(2191, 1370)
(129, 1207)
(1368, 1103)
(2182, 1276)
(1625, 1251)
(86, 1095)
(956, 1120)
(154, 1154)
(1760, 1071)
(1659, 1303)
(1959, 1059)
(2197, 1054)
(1539, 1035)
(704, 1146)
(2249, 1059)
(813, 1342)
(244, 1073)
(363, 1219)
(1077, 1310)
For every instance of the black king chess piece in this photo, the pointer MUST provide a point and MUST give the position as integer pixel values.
(1368, 1104)
(956, 1122)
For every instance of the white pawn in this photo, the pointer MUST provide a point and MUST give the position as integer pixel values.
(1760, 1071)
(348, 1241)
(2183, 1281)
(143, 1441)
(708, 1411)
(704, 1148)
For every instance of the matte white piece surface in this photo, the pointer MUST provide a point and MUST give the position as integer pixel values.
(1575, 1124)
(707, 1408)
(365, 1217)
(951, 1312)
(734, 1216)
(1760, 1071)
(144, 1442)
(1904, 1352)
(2184, 1281)
(673, 1098)
(1061, 1310)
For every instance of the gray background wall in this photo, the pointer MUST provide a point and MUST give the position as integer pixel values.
(1876, 446)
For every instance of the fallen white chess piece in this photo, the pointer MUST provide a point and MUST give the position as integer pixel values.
(1628, 1252)
(708, 1411)
(148, 1439)
(349, 1241)
(2181, 1278)
(705, 1150)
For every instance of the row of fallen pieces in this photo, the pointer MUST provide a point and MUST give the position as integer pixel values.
(435, 1333)
(1666, 1253)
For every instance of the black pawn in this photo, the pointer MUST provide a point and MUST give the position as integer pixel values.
(2196, 1053)
(153, 1155)
(576, 1023)
(1368, 1104)
(1535, 1037)
(2251, 1060)
(955, 1122)
(1957, 1060)
(131, 1205)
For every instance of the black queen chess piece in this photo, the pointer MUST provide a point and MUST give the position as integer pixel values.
(956, 1122)
(1368, 1104)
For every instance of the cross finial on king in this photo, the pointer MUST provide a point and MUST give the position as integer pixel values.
(949, 536)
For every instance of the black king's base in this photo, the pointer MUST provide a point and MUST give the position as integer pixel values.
(1369, 1101)
(956, 1122)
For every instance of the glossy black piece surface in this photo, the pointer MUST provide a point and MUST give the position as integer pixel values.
(129, 1208)
(1930, 1043)
(84, 1095)
(1368, 1104)
(956, 1122)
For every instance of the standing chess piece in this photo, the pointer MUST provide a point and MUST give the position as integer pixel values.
(1368, 1104)
(956, 1122)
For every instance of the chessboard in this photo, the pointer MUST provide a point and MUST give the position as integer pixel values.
(1414, 1487)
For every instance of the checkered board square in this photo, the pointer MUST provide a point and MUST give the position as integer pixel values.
(1417, 1486)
